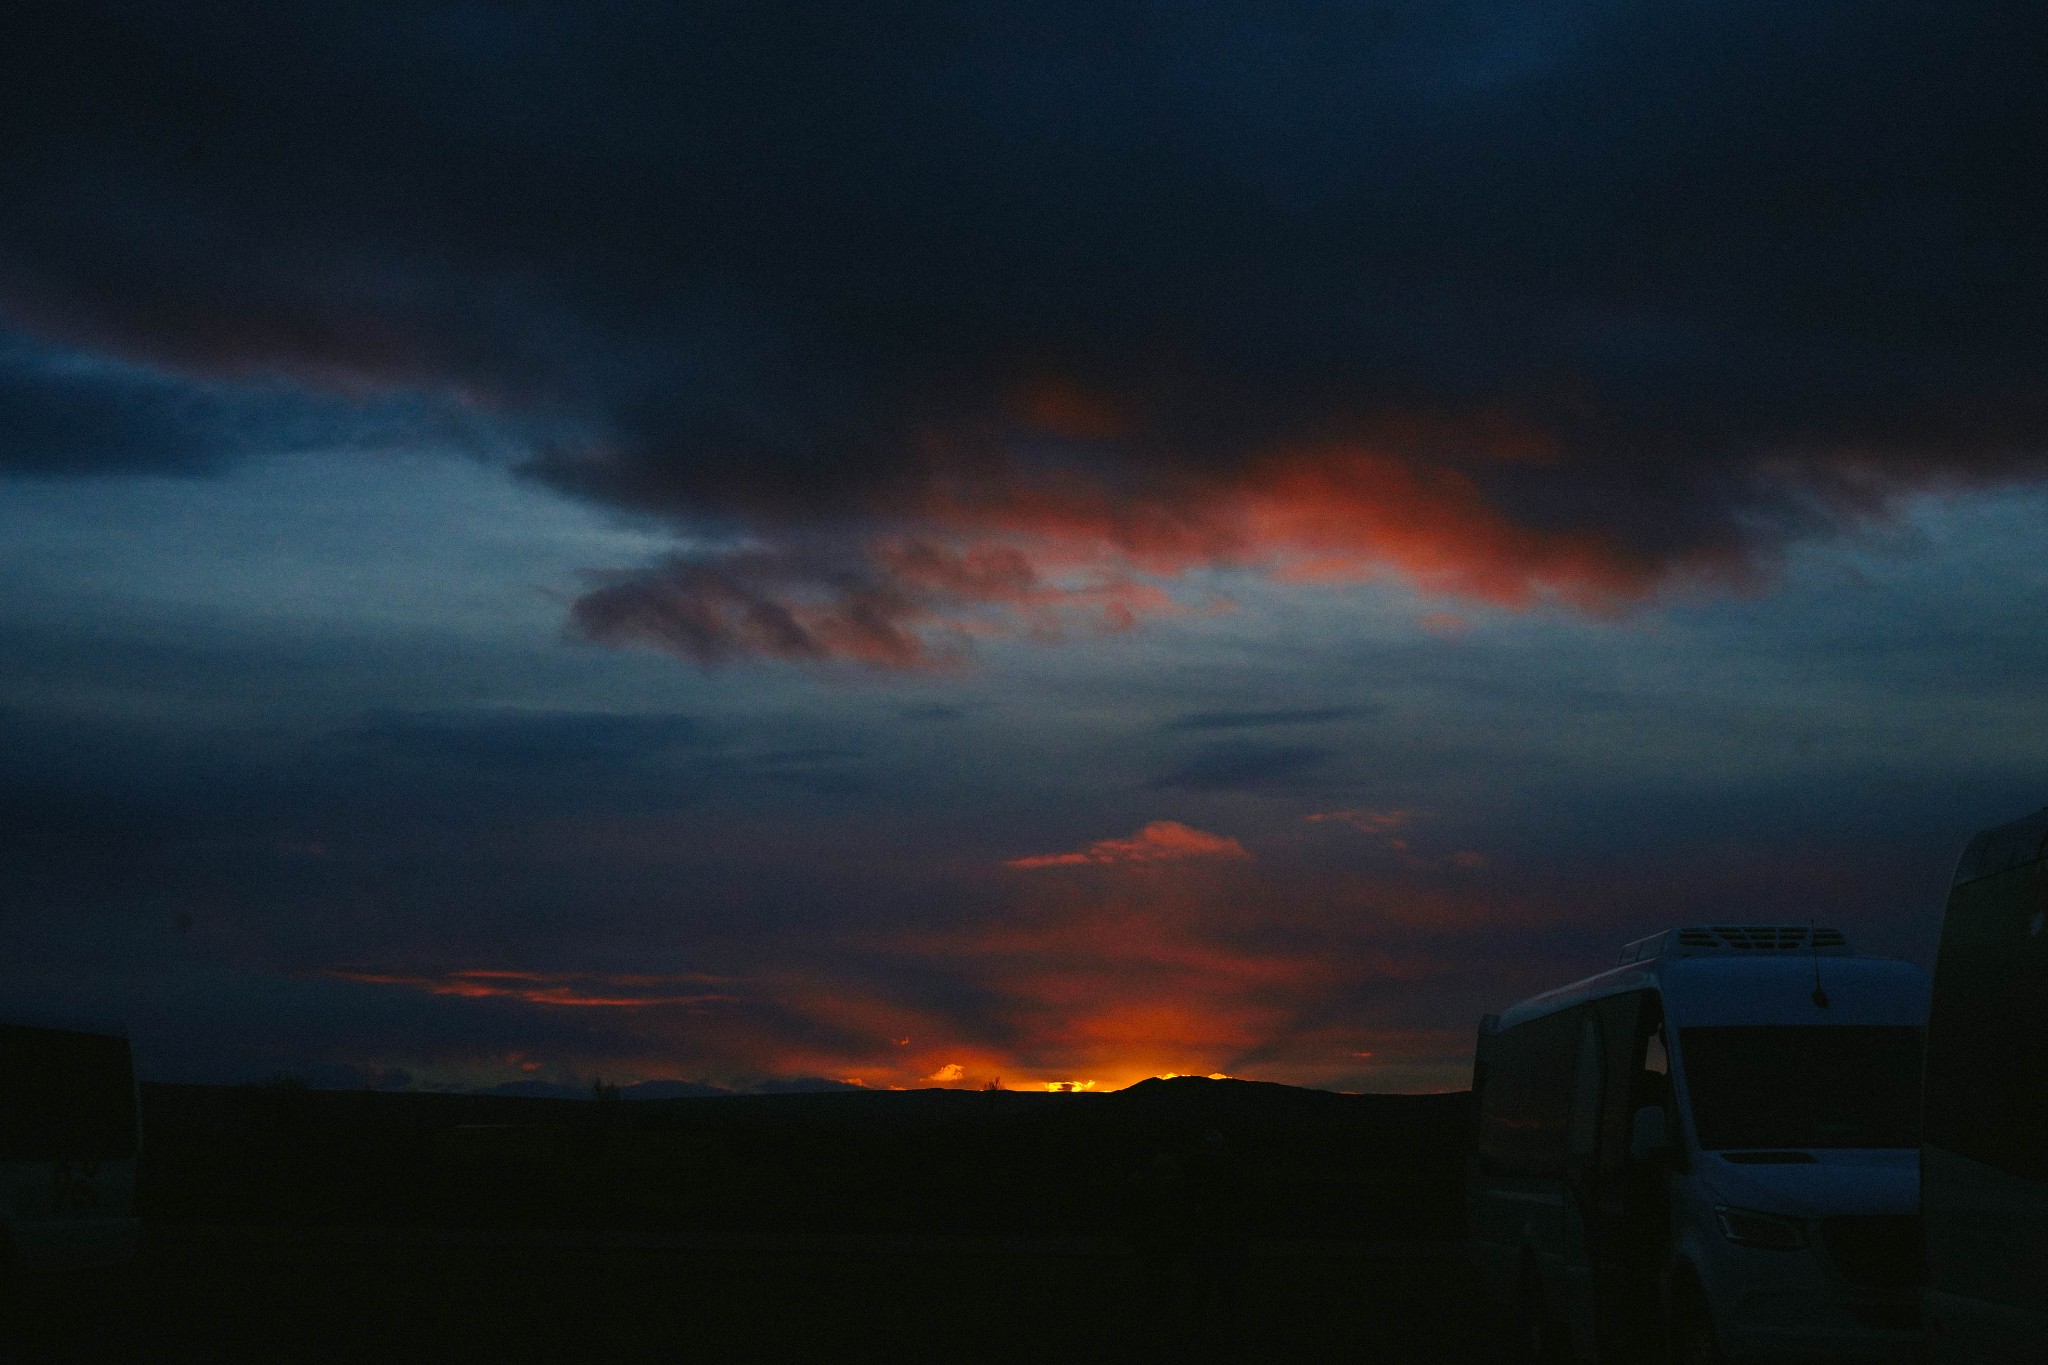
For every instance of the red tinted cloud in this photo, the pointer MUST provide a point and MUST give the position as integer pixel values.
(998, 549)
(889, 602)
(1393, 500)
(1162, 841)
(615, 991)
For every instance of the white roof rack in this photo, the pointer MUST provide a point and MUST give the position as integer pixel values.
(1724, 940)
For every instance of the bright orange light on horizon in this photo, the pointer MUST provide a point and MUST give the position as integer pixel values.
(1106, 963)
(1077, 1087)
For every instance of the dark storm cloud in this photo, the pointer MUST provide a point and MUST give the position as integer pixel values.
(1551, 299)
(1239, 765)
(86, 418)
(534, 744)
(1259, 720)
(562, 761)
(79, 803)
(937, 712)
(69, 412)
(45, 826)
(132, 810)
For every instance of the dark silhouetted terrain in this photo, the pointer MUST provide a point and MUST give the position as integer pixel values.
(1369, 1167)
(286, 1223)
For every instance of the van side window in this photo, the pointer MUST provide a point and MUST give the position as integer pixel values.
(1525, 1105)
(1586, 1088)
(1622, 1021)
(1650, 1065)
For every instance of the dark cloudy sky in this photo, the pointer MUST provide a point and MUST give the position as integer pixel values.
(740, 542)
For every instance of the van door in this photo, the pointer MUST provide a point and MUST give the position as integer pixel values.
(1605, 1196)
(1584, 1233)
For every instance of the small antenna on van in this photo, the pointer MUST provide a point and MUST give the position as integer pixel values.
(1820, 993)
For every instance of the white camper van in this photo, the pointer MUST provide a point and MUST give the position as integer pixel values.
(1984, 1165)
(1711, 1148)
(68, 1140)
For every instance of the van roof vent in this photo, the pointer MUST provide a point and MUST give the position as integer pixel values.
(1706, 940)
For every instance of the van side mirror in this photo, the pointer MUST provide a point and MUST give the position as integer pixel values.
(1649, 1136)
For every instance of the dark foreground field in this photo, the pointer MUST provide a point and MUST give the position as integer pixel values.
(285, 1225)
(234, 1296)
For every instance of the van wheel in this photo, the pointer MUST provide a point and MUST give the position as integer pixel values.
(1692, 1327)
(1539, 1338)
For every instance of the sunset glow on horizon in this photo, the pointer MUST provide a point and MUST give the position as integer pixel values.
(717, 549)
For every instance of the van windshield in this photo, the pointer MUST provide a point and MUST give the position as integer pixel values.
(1803, 1085)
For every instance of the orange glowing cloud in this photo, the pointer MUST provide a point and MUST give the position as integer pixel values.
(985, 547)
(1381, 823)
(586, 990)
(1115, 979)
(1407, 501)
(1277, 967)
(1161, 841)
(1389, 828)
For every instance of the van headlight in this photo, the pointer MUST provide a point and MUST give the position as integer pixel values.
(1748, 1228)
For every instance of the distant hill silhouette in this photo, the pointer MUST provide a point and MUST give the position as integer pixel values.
(671, 1090)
